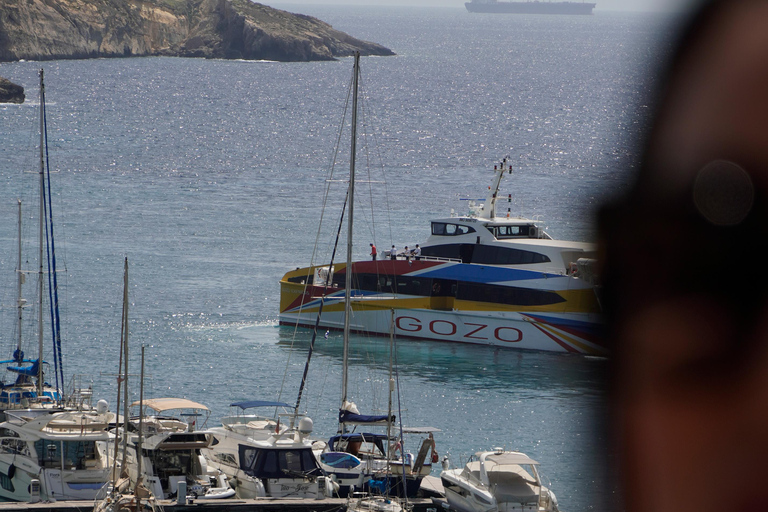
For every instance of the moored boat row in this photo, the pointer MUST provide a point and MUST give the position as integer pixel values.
(479, 278)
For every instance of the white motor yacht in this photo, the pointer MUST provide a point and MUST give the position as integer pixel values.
(66, 452)
(171, 450)
(275, 462)
(499, 480)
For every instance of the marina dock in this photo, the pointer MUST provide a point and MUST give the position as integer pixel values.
(227, 505)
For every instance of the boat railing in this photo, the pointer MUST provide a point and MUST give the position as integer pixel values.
(80, 395)
(439, 258)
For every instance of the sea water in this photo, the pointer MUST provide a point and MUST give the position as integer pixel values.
(210, 177)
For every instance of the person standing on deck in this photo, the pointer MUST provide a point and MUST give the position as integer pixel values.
(373, 252)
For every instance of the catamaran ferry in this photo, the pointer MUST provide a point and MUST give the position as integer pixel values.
(481, 278)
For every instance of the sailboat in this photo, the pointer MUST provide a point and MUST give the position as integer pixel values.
(120, 494)
(29, 388)
(353, 458)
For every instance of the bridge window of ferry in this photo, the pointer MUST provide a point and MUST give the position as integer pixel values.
(444, 229)
(501, 232)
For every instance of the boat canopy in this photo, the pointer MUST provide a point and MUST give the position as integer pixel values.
(258, 403)
(508, 458)
(351, 417)
(421, 430)
(363, 437)
(166, 404)
(30, 371)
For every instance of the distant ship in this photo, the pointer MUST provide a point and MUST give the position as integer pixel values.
(530, 7)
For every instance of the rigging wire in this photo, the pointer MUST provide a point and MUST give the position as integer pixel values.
(326, 195)
(53, 284)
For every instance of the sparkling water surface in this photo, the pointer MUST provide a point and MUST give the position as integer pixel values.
(209, 176)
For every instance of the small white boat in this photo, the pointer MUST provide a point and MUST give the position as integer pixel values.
(64, 452)
(498, 481)
(362, 502)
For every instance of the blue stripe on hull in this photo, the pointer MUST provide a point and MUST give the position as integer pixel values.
(483, 273)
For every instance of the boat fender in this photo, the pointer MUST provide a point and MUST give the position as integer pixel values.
(11, 471)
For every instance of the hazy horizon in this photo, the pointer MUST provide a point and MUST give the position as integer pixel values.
(602, 5)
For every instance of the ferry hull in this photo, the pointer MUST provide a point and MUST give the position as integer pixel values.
(448, 301)
(536, 7)
(553, 333)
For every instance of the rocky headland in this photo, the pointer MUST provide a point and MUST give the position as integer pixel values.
(10, 92)
(224, 29)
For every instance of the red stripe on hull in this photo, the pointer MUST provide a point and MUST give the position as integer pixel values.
(556, 340)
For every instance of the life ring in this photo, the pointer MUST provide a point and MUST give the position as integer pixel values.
(435, 288)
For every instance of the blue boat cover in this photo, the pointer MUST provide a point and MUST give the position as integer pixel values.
(350, 417)
(29, 371)
(258, 403)
(340, 460)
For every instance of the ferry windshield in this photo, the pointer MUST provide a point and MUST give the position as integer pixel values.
(501, 232)
(446, 229)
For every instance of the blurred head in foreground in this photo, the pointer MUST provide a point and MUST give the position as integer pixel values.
(686, 274)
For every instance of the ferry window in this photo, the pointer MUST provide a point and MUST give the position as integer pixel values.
(448, 251)
(507, 295)
(413, 286)
(494, 255)
(443, 229)
(512, 231)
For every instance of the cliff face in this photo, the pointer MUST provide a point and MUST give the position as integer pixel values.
(76, 29)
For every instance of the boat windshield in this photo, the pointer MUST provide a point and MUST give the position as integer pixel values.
(517, 231)
(447, 229)
(266, 463)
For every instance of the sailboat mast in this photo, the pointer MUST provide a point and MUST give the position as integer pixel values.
(139, 456)
(42, 228)
(124, 357)
(350, 220)
(391, 384)
(19, 283)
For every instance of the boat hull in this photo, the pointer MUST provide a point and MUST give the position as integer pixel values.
(536, 7)
(510, 330)
(508, 308)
